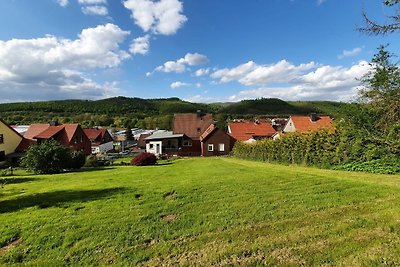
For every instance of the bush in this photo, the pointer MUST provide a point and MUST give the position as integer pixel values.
(47, 158)
(144, 159)
(78, 160)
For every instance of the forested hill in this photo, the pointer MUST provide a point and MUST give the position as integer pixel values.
(153, 112)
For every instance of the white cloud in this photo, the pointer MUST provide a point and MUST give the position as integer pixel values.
(140, 45)
(92, 2)
(350, 53)
(326, 82)
(202, 72)
(320, 2)
(252, 74)
(171, 66)
(194, 59)
(95, 10)
(202, 99)
(161, 17)
(176, 85)
(62, 3)
(179, 66)
(51, 67)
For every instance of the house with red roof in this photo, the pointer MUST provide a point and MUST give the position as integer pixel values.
(250, 131)
(100, 139)
(215, 142)
(304, 124)
(69, 135)
(194, 134)
(192, 125)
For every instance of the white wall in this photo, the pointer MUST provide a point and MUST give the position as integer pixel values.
(154, 147)
(289, 127)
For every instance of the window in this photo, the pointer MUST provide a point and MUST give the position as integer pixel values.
(221, 147)
(187, 142)
(1, 138)
(81, 138)
(151, 146)
(210, 147)
(2, 156)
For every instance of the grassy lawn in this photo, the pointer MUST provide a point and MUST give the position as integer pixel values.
(201, 211)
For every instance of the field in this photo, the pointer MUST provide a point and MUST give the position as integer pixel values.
(201, 211)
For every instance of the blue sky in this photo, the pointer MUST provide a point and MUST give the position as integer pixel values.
(197, 50)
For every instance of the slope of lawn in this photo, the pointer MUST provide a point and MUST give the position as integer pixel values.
(201, 211)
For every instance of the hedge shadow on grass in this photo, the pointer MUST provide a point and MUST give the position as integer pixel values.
(56, 198)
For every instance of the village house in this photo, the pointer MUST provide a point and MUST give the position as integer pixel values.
(304, 124)
(194, 134)
(215, 142)
(100, 139)
(69, 135)
(250, 131)
(11, 142)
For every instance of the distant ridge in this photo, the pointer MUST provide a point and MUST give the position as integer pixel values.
(126, 107)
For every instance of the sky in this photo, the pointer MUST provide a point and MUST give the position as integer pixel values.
(198, 50)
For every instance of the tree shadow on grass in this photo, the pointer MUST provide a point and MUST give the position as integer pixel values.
(92, 169)
(56, 198)
(13, 180)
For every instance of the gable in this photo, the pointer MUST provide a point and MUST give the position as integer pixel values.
(9, 138)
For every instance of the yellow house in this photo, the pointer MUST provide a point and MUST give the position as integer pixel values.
(9, 140)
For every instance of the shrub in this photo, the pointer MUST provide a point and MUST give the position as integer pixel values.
(47, 158)
(78, 160)
(144, 159)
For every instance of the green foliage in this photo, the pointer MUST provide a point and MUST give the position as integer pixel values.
(382, 166)
(78, 160)
(321, 148)
(382, 89)
(48, 157)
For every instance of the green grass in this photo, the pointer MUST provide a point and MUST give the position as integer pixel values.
(201, 211)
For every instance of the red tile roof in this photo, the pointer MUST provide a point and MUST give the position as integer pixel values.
(304, 124)
(49, 132)
(191, 124)
(34, 130)
(245, 130)
(92, 134)
(45, 131)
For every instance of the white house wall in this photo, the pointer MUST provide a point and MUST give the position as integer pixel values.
(289, 127)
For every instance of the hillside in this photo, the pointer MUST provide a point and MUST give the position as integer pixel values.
(151, 113)
(201, 212)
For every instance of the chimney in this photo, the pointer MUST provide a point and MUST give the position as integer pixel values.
(198, 112)
(54, 123)
(313, 116)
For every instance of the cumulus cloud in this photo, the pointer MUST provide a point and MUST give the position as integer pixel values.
(326, 82)
(350, 53)
(251, 73)
(176, 85)
(140, 45)
(52, 67)
(95, 10)
(62, 3)
(160, 17)
(180, 65)
(320, 2)
(202, 72)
